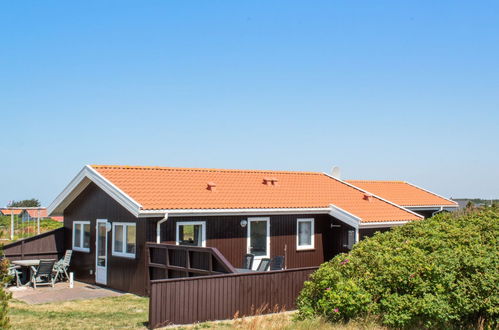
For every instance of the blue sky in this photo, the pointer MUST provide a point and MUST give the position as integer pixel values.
(405, 90)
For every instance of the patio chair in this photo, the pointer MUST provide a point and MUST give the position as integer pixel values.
(15, 272)
(61, 266)
(44, 274)
(277, 263)
(248, 261)
(264, 265)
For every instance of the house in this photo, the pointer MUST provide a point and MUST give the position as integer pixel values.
(9, 212)
(110, 212)
(408, 195)
(29, 213)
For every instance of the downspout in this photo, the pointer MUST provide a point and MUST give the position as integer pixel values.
(158, 228)
(438, 211)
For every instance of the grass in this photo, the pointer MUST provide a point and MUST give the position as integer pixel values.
(131, 312)
(126, 312)
(283, 321)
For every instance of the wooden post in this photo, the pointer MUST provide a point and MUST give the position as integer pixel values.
(285, 256)
(12, 225)
(38, 223)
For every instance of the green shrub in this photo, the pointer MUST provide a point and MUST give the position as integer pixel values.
(442, 272)
(4, 295)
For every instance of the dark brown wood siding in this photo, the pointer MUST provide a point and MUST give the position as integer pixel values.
(49, 245)
(226, 234)
(124, 274)
(189, 300)
(363, 233)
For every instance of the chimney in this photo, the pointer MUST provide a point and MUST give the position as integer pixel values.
(211, 186)
(270, 181)
(368, 197)
(336, 172)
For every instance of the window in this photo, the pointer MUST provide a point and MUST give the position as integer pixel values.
(81, 236)
(350, 239)
(191, 233)
(258, 237)
(124, 239)
(304, 234)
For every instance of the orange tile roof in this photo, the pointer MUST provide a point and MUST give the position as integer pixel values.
(9, 212)
(402, 193)
(42, 213)
(169, 188)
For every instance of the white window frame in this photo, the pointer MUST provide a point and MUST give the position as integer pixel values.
(188, 223)
(248, 238)
(119, 253)
(312, 234)
(82, 236)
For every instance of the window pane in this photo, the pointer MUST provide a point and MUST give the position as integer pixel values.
(101, 246)
(86, 235)
(304, 233)
(190, 235)
(258, 238)
(130, 239)
(77, 235)
(118, 238)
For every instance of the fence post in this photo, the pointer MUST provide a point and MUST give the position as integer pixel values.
(12, 225)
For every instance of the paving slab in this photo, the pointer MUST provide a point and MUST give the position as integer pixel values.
(62, 292)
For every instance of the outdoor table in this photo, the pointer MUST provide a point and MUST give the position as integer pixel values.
(30, 265)
(244, 270)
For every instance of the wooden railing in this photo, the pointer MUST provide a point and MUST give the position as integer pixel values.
(174, 261)
(49, 245)
(219, 297)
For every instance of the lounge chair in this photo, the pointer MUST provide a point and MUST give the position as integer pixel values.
(61, 266)
(277, 263)
(264, 265)
(44, 274)
(248, 261)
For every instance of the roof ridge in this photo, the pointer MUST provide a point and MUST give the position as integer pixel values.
(430, 192)
(194, 169)
(345, 182)
(384, 181)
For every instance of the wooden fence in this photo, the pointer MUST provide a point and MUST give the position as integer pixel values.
(174, 261)
(49, 245)
(220, 297)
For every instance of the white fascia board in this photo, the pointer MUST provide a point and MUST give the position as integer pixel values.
(374, 195)
(431, 207)
(385, 224)
(344, 216)
(81, 181)
(229, 212)
(430, 192)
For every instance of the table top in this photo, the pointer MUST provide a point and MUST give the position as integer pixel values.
(26, 263)
(244, 270)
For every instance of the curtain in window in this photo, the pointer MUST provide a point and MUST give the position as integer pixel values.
(305, 233)
(118, 238)
(77, 235)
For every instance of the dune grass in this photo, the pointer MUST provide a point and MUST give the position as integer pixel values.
(283, 321)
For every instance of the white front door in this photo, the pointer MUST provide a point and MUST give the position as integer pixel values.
(259, 239)
(101, 252)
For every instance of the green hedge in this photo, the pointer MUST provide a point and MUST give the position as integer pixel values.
(442, 272)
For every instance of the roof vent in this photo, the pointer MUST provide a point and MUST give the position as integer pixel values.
(368, 197)
(270, 181)
(211, 186)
